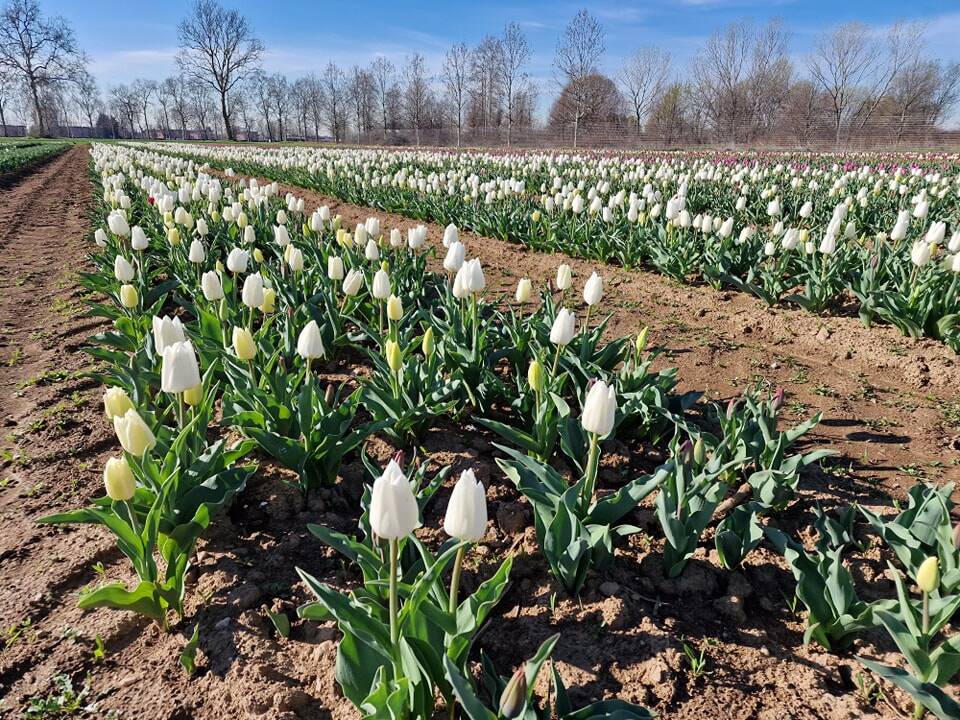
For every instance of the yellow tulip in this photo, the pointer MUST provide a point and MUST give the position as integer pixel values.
(116, 402)
(129, 297)
(269, 301)
(134, 434)
(394, 308)
(243, 344)
(258, 255)
(642, 339)
(118, 480)
(428, 344)
(193, 396)
(394, 356)
(928, 576)
(535, 376)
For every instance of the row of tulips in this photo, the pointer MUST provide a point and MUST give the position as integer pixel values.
(227, 299)
(815, 231)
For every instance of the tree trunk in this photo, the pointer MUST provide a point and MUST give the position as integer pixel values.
(226, 116)
(36, 106)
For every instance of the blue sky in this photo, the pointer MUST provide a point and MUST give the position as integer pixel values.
(136, 39)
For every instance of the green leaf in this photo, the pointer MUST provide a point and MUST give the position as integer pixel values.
(927, 694)
(189, 654)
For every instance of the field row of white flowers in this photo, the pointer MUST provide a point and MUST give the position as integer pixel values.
(814, 230)
(227, 300)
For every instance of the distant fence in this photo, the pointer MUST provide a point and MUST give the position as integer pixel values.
(875, 136)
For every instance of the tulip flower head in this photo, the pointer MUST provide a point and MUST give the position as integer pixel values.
(466, 516)
(393, 507)
(134, 434)
(179, 370)
(564, 325)
(118, 479)
(599, 409)
(310, 342)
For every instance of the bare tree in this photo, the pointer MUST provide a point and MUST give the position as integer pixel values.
(855, 69)
(486, 83)
(382, 71)
(86, 96)
(454, 74)
(178, 90)
(361, 91)
(578, 51)
(416, 92)
(516, 55)
(333, 84)
(278, 92)
(219, 49)
(164, 99)
(8, 92)
(126, 106)
(143, 90)
(644, 77)
(37, 50)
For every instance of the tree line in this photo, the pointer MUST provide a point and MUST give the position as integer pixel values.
(741, 87)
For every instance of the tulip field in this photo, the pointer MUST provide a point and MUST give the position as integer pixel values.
(354, 462)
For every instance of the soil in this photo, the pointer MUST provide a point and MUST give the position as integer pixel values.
(889, 408)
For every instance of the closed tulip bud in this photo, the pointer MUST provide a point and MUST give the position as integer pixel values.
(393, 355)
(352, 282)
(371, 252)
(242, 220)
(920, 253)
(122, 269)
(514, 697)
(535, 376)
(117, 222)
(599, 409)
(116, 402)
(237, 260)
(460, 285)
(138, 239)
(280, 235)
(100, 238)
(561, 333)
(450, 235)
(564, 277)
(396, 238)
(454, 258)
(428, 345)
(249, 235)
(699, 451)
(166, 332)
(593, 290)
(243, 344)
(211, 286)
(129, 297)
(252, 294)
(381, 284)
(394, 308)
(197, 253)
(335, 267)
(310, 343)
(524, 290)
(466, 516)
(641, 343)
(193, 396)
(173, 236)
(134, 435)
(393, 507)
(258, 256)
(269, 301)
(928, 576)
(179, 370)
(535, 216)
(295, 259)
(118, 479)
(202, 229)
(473, 278)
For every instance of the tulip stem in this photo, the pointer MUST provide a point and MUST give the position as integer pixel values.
(593, 460)
(253, 373)
(394, 629)
(180, 410)
(133, 519)
(556, 361)
(586, 322)
(306, 374)
(455, 579)
(476, 319)
(926, 615)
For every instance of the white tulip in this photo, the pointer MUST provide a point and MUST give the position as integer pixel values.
(393, 507)
(252, 294)
(138, 238)
(179, 370)
(197, 253)
(466, 516)
(122, 269)
(166, 332)
(564, 277)
(564, 325)
(352, 282)
(237, 260)
(310, 343)
(593, 290)
(454, 258)
(211, 286)
(381, 285)
(599, 409)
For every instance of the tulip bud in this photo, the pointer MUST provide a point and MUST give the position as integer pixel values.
(466, 516)
(129, 297)
(394, 356)
(428, 345)
(122, 269)
(134, 434)
(310, 342)
(243, 344)
(193, 396)
(514, 696)
(381, 284)
(535, 376)
(252, 294)
(699, 451)
(394, 308)
(928, 576)
(564, 325)
(641, 343)
(393, 507)
(118, 480)
(116, 402)
(599, 409)
(352, 282)
(269, 301)
(179, 370)
(564, 277)
(593, 290)
(335, 267)
(211, 286)
(524, 290)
